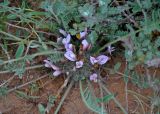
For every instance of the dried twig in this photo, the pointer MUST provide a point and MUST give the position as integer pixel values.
(64, 96)
(28, 30)
(9, 80)
(20, 86)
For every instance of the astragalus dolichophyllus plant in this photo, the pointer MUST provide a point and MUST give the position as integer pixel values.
(78, 63)
(81, 65)
(95, 33)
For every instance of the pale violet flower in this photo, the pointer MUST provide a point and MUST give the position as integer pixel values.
(63, 32)
(85, 44)
(83, 34)
(110, 49)
(57, 71)
(102, 59)
(68, 47)
(48, 64)
(93, 60)
(67, 39)
(93, 77)
(155, 62)
(79, 64)
(70, 56)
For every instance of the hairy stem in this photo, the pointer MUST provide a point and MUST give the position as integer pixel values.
(30, 56)
(64, 97)
(27, 68)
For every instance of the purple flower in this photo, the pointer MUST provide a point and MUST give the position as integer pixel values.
(93, 77)
(102, 59)
(67, 39)
(70, 56)
(79, 64)
(85, 44)
(48, 64)
(68, 47)
(93, 60)
(63, 32)
(155, 62)
(57, 71)
(110, 49)
(83, 34)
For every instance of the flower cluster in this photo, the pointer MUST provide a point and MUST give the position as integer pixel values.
(71, 56)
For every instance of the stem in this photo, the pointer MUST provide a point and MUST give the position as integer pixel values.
(101, 92)
(39, 39)
(27, 68)
(133, 92)
(28, 30)
(140, 102)
(126, 95)
(10, 35)
(63, 98)
(56, 17)
(119, 39)
(114, 99)
(29, 56)
(124, 37)
(5, 51)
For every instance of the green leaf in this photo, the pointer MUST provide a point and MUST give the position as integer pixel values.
(20, 50)
(104, 2)
(72, 31)
(158, 53)
(128, 55)
(41, 109)
(145, 43)
(136, 8)
(117, 66)
(3, 91)
(115, 10)
(56, 57)
(90, 100)
(157, 42)
(131, 65)
(126, 72)
(51, 100)
(93, 37)
(11, 16)
(139, 53)
(87, 10)
(132, 31)
(149, 55)
(5, 3)
(134, 78)
(1, 61)
(35, 13)
(106, 98)
(147, 4)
